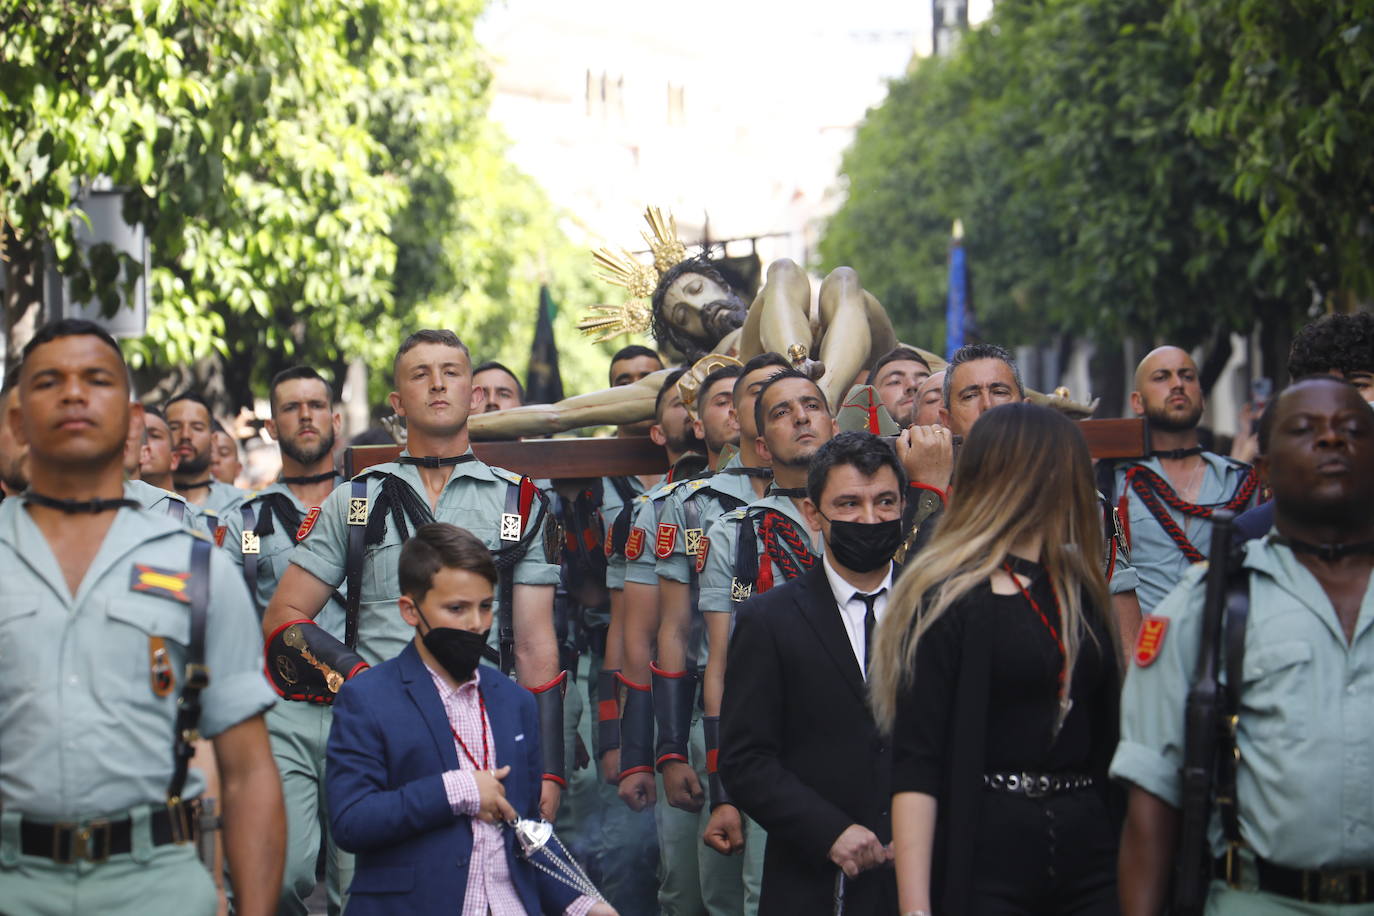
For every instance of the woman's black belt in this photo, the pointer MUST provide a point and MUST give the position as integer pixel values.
(1037, 785)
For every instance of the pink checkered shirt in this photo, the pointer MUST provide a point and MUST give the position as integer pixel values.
(490, 889)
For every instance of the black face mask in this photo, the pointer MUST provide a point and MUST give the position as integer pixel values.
(864, 546)
(458, 651)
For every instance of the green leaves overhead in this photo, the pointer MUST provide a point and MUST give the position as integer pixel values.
(1064, 134)
(317, 177)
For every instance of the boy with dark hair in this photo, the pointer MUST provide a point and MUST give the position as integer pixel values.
(430, 754)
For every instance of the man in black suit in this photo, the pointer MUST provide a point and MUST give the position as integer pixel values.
(799, 749)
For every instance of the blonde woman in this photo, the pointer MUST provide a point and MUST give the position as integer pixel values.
(996, 676)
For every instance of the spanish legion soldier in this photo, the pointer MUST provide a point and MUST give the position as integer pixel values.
(192, 428)
(1165, 501)
(355, 539)
(680, 751)
(679, 888)
(124, 638)
(261, 533)
(1291, 804)
(747, 551)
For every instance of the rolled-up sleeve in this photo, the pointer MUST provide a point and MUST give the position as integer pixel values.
(1155, 695)
(233, 652)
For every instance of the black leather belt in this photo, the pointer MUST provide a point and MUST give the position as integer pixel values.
(1037, 785)
(96, 841)
(1310, 885)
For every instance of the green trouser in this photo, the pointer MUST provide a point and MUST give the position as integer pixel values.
(615, 845)
(754, 842)
(148, 879)
(722, 885)
(299, 732)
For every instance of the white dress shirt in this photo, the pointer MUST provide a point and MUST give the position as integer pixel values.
(852, 609)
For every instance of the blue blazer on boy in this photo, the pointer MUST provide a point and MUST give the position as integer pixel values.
(388, 748)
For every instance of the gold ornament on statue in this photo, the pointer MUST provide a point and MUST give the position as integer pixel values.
(635, 315)
(689, 385)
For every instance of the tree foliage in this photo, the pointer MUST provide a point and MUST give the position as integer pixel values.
(1287, 88)
(1060, 133)
(318, 177)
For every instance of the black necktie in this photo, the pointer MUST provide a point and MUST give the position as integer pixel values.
(869, 620)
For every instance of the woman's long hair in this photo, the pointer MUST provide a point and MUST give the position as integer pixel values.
(1023, 469)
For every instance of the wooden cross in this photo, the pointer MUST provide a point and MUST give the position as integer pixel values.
(566, 459)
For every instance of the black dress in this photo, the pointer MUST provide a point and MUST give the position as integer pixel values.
(984, 700)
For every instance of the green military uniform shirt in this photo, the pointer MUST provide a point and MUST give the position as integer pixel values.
(647, 534)
(274, 550)
(164, 502)
(705, 493)
(473, 498)
(717, 578)
(1158, 562)
(1306, 727)
(84, 732)
(222, 498)
(611, 508)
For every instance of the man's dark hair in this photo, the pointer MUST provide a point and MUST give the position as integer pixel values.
(218, 427)
(863, 451)
(291, 375)
(493, 364)
(715, 375)
(1342, 342)
(691, 348)
(633, 351)
(761, 361)
(784, 375)
(970, 352)
(429, 336)
(373, 435)
(669, 384)
(11, 380)
(70, 327)
(194, 397)
(437, 546)
(898, 354)
(150, 411)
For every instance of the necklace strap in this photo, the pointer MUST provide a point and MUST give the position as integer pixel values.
(309, 479)
(486, 747)
(205, 484)
(1327, 552)
(433, 461)
(1177, 453)
(80, 506)
(741, 470)
(790, 492)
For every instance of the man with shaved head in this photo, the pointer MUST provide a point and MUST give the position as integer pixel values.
(1166, 499)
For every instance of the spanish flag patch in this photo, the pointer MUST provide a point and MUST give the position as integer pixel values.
(161, 582)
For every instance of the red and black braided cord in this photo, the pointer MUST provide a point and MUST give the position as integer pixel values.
(1151, 488)
(772, 527)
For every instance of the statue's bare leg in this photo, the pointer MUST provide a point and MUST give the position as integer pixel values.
(784, 307)
(847, 337)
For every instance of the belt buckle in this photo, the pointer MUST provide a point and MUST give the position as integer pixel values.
(1345, 885)
(179, 821)
(1233, 868)
(91, 842)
